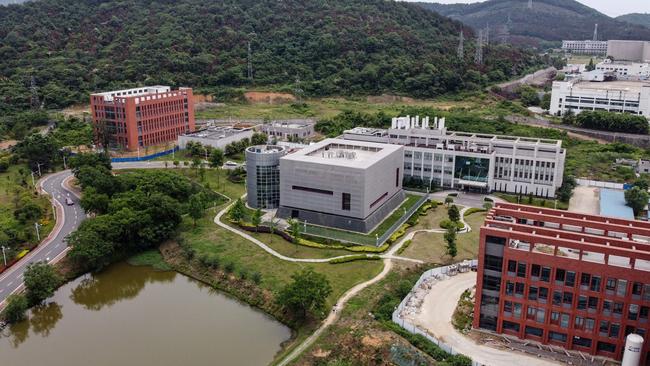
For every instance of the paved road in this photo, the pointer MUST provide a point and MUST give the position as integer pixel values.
(53, 248)
(69, 219)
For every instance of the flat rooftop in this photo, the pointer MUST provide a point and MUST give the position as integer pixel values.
(134, 92)
(570, 235)
(619, 85)
(340, 152)
(293, 123)
(217, 133)
(612, 204)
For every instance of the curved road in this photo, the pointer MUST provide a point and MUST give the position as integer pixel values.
(68, 219)
(52, 248)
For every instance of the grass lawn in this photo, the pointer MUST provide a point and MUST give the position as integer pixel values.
(151, 257)
(539, 202)
(431, 247)
(365, 239)
(432, 219)
(209, 239)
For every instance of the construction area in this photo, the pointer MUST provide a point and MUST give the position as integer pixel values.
(430, 314)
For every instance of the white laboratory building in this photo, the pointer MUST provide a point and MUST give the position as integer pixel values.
(471, 161)
(621, 96)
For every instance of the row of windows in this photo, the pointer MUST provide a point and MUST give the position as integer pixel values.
(559, 337)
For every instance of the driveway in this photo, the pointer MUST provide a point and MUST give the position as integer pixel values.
(585, 200)
(435, 316)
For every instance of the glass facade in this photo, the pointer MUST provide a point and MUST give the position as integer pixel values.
(473, 169)
(268, 186)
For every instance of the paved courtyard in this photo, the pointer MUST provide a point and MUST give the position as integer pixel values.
(585, 200)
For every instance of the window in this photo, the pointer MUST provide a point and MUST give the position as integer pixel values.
(510, 326)
(313, 190)
(345, 202)
(582, 342)
(557, 298)
(397, 177)
(543, 294)
(379, 199)
(621, 288)
(614, 329)
(519, 289)
(595, 284)
(507, 307)
(517, 310)
(637, 289)
(535, 271)
(618, 308)
(537, 332)
(643, 313)
(521, 269)
(570, 279)
(493, 262)
(546, 274)
(555, 317)
(589, 324)
(564, 320)
(582, 302)
(559, 275)
(593, 303)
(559, 337)
(607, 347)
(510, 288)
(633, 312)
(532, 293)
(579, 323)
(584, 280)
(610, 285)
(512, 267)
(491, 283)
(567, 298)
(607, 306)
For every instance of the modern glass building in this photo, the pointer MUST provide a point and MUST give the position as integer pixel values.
(263, 176)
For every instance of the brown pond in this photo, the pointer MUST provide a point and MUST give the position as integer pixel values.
(129, 315)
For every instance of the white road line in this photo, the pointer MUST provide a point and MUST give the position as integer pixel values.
(48, 253)
(10, 283)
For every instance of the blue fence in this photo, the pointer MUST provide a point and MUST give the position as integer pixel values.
(144, 158)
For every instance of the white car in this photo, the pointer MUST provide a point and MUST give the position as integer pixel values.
(231, 165)
(68, 201)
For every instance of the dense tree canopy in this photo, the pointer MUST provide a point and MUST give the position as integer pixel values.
(73, 47)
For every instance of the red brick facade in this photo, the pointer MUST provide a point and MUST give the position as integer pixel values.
(568, 279)
(142, 117)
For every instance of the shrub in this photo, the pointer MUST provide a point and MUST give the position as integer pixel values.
(257, 277)
(398, 233)
(446, 223)
(473, 210)
(243, 273)
(404, 246)
(16, 307)
(352, 258)
(229, 267)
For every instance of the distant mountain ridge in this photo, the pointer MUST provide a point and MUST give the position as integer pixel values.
(636, 18)
(548, 20)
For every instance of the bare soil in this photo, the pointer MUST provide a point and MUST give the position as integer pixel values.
(268, 97)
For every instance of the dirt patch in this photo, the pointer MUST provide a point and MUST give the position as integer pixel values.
(6, 144)
(257, 97)
(78, 110)
(374, 342)
(388, 98)
(320, 353)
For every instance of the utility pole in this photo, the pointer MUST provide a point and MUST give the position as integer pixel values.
(461, 46)
(596, 32)
(487, 34)
(38, 233)
(34, 93)
(39, 168)
(478, 58)
(33, 182)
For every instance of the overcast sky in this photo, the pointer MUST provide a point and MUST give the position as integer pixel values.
(610, 7)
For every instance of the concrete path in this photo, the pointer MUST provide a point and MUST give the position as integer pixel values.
(585, 200)
(435, 316)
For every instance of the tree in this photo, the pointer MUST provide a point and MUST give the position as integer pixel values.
(259, 139)
(195, 208)
(257, 218)
(41, 280)
(294, 228)
(642, 183)
(176, 163)
(636, 198)
(38, 150)
(16, 308)
(448, 200)
(306, 293)
(450, 238)
(591, 66)
(94, 202)
(566, 189)
(453, 213)
(216, 158)
(236, 213)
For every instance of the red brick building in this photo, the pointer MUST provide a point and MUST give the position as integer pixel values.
(573, 280)
(135, 118)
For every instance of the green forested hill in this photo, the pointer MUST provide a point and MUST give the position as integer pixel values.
(341, 47)
(548, 20)
(636, 18)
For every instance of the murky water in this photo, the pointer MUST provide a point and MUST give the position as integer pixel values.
(130, 315)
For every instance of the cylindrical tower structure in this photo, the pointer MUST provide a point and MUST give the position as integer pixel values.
(263, 175)
(632, 351)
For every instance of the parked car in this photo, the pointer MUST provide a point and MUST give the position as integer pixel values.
(231, 165)
(68, 201)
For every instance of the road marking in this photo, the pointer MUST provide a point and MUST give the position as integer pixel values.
(56, 246)
(48, 253)
(10, 283)
(2, 290)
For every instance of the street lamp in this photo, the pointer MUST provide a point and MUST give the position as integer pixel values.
(3, 255)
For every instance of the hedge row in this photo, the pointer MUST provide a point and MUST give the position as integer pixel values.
(352, 258)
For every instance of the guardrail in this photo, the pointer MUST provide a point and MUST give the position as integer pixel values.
(439, 273)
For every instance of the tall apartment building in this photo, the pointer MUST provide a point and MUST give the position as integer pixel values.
(135, 118)
(585, 47)
(573, 280)
(620, 96)
(479, 162)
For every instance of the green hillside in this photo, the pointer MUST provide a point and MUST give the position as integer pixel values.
(636, 18)
(548, 20)
(334, 47)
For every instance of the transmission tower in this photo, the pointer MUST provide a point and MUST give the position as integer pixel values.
(34, 93)
(596, 32)
(506, 30)
(250, 63)
(530, 4)
(461, 47)
(478, 58)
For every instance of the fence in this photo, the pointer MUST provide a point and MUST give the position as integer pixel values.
(599, 184)
(435, 273)
(363, 239)
(144, 158)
